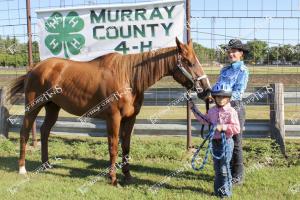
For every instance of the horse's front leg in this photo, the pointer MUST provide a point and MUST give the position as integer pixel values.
(113, 128)
(127, 125)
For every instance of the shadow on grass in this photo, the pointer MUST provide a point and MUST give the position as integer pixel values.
(10, 164)
(98, 166)
(72, 141)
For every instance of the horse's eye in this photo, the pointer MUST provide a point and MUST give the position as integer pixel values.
(187, 62)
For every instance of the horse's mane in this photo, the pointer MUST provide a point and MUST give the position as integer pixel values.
(144, 69)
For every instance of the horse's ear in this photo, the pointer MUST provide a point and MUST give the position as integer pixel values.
(190, 43)
(179, 45)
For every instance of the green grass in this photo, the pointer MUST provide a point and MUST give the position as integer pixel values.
(179, 112)
(12, 71)
(267, 69)
(152, 160)
(212, 71)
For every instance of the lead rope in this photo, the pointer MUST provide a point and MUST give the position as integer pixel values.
(210, 149)
(209, 126)
(208, 137)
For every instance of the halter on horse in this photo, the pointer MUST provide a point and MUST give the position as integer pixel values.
(196, 85)
(189, 76)
(85, 84)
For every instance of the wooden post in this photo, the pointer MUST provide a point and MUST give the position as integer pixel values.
(277, 115)
(188, 110)
(30, 61)
(3, 113)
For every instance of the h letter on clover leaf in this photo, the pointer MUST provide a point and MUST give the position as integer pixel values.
(63, 34)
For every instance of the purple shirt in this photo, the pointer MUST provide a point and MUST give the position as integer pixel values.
(226, 116)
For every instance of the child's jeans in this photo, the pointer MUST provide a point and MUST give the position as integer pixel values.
(223, 178)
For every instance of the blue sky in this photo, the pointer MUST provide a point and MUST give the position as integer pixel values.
(276, 22)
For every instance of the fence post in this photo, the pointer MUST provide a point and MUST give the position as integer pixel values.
(277, 115)
(188, 111)
(3, 113)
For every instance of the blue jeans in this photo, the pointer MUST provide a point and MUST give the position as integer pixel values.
(223, 178)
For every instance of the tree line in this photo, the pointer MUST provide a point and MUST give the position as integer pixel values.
(14, 53)
(259, 53)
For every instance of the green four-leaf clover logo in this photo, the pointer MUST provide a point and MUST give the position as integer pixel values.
(64, 34)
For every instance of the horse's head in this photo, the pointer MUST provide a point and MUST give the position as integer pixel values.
(189, 71)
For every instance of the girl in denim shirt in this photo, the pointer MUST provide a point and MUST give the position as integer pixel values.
(236, 76)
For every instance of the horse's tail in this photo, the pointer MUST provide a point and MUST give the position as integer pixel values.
(17, 86)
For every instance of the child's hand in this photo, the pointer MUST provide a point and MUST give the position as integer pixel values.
(211, 99)
(191, 103)
(219, 127)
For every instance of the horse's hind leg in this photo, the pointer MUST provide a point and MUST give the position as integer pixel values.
(52, 111)
(28, 120)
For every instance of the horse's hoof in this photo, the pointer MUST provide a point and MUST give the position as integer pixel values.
(114, 183)
(22, 170)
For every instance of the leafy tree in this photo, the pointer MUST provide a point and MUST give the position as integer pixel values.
(258, 51)
(205, 55)
(14, 53)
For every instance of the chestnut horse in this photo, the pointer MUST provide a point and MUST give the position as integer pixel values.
(85, 84)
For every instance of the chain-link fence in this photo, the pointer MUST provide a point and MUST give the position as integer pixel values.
(269, 27)
(271, 30)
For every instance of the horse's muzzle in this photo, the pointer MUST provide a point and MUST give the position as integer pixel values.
(204, 94)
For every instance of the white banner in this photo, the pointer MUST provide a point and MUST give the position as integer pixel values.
(85, 33)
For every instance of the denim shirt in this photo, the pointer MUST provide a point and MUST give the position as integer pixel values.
(236, 75)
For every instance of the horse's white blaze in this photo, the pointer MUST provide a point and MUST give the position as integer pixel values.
(204, 75)
(22, 170)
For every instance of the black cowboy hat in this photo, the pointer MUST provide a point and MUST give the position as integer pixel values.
(237, 44)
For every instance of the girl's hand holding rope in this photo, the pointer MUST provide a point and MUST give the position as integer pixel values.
(219, 127)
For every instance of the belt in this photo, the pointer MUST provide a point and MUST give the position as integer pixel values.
(219, 140)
